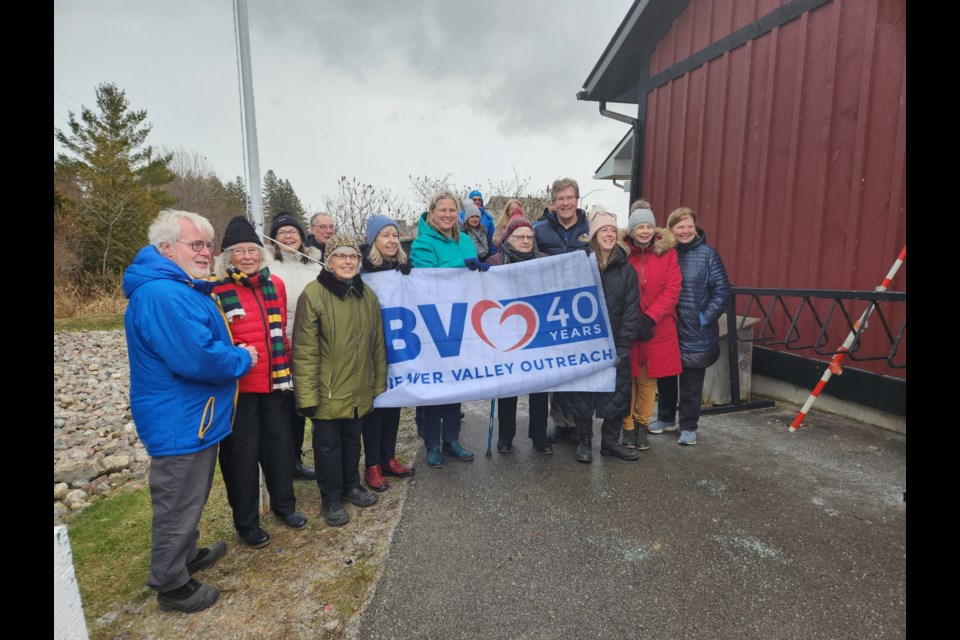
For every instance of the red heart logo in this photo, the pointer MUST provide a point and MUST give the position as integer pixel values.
(519, 309)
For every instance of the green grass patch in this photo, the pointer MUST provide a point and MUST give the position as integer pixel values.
(111, 551)
(104, 322)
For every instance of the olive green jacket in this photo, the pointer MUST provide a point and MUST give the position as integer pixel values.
(339, 354)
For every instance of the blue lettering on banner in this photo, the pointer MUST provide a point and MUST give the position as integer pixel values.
(398, 326)
(563, 317)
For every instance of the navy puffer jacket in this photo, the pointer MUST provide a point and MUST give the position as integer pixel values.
(704, 291)
(550, 234)
(621, 291)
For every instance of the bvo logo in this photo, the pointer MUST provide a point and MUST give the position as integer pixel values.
(545, 320)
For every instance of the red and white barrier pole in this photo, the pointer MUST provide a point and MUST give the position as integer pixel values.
(834, 366)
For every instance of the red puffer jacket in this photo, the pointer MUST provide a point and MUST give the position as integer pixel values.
(659, 274)
(253, 329)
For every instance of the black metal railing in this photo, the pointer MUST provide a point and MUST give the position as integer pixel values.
(783, 313)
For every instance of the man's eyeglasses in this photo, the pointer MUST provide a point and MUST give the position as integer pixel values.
(197, 245)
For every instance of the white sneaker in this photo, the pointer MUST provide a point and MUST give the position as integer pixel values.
(659, 426)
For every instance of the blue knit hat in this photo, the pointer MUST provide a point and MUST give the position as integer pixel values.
(475, 194)
(376, 224)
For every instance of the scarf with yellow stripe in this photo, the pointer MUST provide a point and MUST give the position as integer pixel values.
(230, 302)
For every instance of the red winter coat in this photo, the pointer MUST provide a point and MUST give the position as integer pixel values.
(253, 329)
(659, 274)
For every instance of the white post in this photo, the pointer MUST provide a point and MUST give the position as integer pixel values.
(68, 622)
(248, 113)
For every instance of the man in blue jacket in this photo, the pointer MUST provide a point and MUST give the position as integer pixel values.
(563, 230)
(183, 382)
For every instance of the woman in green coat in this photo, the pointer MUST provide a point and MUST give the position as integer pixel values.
(339, 367)
(440, 244)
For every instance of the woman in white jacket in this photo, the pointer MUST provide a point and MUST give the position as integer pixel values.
(297, 265)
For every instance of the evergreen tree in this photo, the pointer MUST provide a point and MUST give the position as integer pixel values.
(272, 187)
(286, 200)
(239, 197)
(119, 178)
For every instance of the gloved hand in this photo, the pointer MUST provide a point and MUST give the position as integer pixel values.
(308, 411)
(646, 328)
(404, 268)
(484, 267)
(703, 321)
(472, 263)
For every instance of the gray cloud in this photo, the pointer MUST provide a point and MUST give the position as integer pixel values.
(519, 63)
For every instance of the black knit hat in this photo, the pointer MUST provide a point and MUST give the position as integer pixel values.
(239, 230)
(286, 219)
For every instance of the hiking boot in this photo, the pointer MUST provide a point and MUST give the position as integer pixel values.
(659, 426)
(642, 443)
(435, 458)
(619, 451)
(455, 450)
(189, 598)
(295, 520)
(335, 514)
(359, 497)
(583, 450)
(394, 468)
(687, 437)
(255, 539)
(630, 438)
(374, 478)
(207, 556)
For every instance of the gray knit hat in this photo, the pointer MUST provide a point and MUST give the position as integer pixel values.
(638, 217)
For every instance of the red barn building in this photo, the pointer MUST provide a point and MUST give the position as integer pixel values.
(783, 125)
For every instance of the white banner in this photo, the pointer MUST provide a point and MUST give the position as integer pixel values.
(455, 335)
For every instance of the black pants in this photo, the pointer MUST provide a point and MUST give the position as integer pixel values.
(336, 457)
(261, 435)
(380, 428)
(507, 418)
(609, 429)
(690, 384)
(298, 427)
(441, 421)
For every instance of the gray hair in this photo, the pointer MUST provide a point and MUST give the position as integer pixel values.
(222, 261)
(166, 228)
(314, 217)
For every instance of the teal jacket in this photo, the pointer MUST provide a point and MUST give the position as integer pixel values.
(432, 249)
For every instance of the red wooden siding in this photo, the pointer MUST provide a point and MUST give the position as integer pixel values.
(790, 147)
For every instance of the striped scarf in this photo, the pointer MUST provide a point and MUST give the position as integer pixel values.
(230, 302)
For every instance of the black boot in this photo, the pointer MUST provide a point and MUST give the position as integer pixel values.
(583, 450)
(302, 471)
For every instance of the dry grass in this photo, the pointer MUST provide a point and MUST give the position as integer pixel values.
(104, 298)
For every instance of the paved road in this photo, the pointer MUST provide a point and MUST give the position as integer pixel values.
(753, 533)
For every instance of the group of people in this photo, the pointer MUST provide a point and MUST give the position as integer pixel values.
(285, 329)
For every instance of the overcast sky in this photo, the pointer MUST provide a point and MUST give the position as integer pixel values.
(372, 89)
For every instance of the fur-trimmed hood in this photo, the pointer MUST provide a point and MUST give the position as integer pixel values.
(663, 241)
